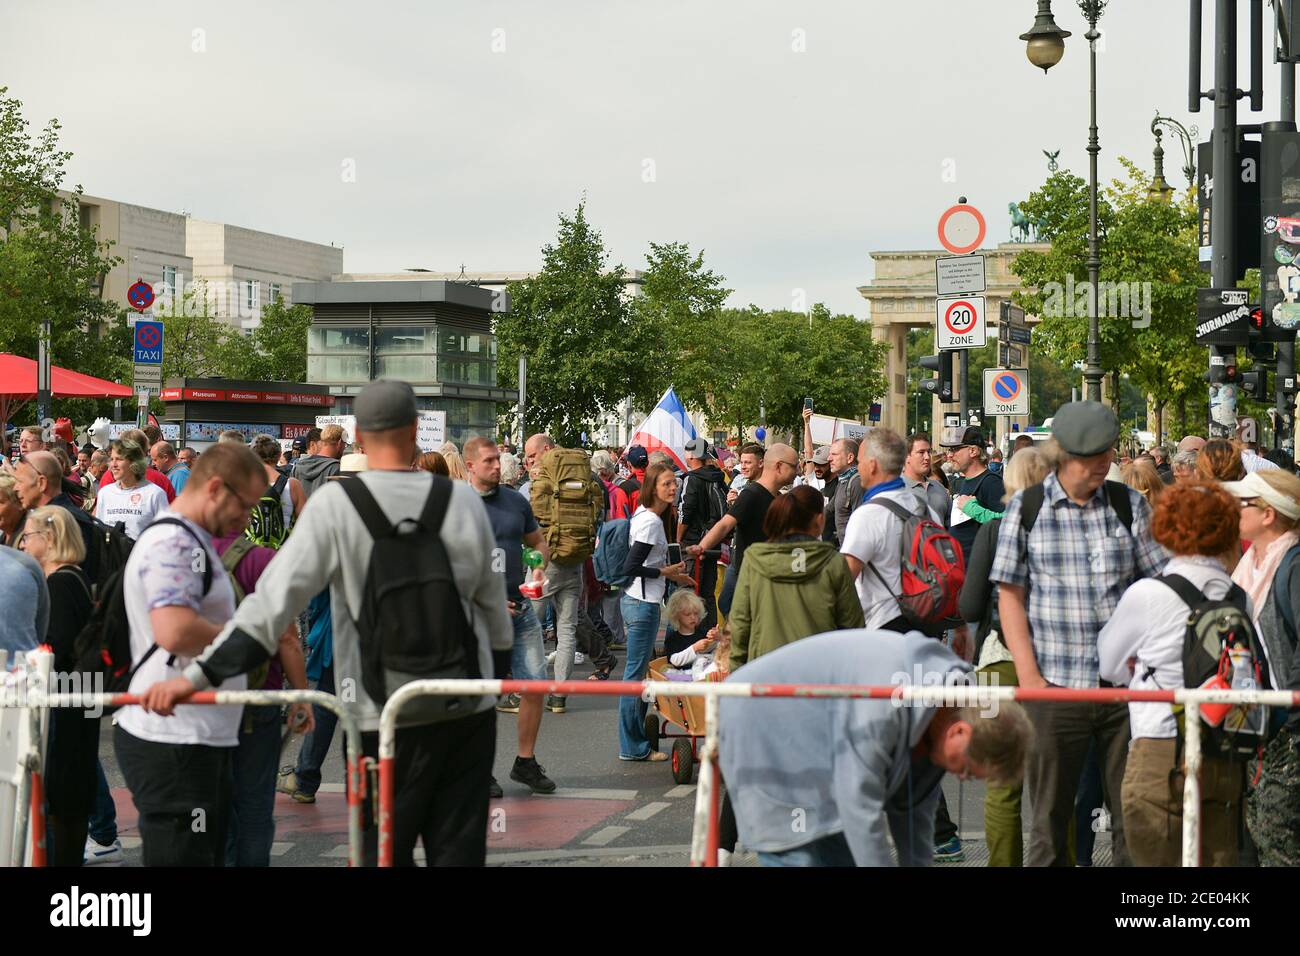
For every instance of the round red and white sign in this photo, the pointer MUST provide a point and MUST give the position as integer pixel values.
(959, 317)
(961, 229)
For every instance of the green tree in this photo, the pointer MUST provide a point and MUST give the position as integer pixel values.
(1147, 246)
(279, 344)
(585, 352)
(52, 269)
(198, 343)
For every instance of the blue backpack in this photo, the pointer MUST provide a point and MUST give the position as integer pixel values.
(612, 548)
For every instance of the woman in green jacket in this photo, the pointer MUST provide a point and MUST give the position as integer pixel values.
(793, 585)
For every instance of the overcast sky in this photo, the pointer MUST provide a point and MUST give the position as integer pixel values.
(472, 124)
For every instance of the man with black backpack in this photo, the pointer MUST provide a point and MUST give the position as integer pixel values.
(409, 560)
(176, 599)
(1067, 550)
(701, 504)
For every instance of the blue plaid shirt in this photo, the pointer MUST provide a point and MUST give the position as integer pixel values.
(1075, 565)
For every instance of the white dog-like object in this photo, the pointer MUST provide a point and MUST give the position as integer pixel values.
(98, 433)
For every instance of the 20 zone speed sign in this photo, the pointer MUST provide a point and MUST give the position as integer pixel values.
(959, 322)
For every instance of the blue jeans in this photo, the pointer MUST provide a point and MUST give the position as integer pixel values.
(103, 821)
(528, 656)
(316, 745)
(828, 851)
(641, 621)
(252, 806)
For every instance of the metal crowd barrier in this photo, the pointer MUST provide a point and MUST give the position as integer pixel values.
(32, 799)
(704, 835)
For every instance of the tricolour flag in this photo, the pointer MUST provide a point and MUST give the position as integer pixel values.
(667, 428)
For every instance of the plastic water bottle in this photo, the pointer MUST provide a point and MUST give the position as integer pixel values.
(1244, 718)
(532, 559)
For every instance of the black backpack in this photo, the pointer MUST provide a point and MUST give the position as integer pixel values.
(412, 624)
(103, 645)
(112, 547)
(716, 500)
(1214, 628)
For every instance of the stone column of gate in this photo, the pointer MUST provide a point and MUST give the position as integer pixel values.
(893, 405)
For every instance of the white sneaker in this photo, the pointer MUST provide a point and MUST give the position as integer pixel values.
(579, 657)
(99, 853)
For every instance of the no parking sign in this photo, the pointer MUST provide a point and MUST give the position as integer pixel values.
(1006, 391)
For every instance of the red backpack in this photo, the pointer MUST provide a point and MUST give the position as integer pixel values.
(933, 571)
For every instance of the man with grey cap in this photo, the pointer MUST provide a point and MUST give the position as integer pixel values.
(1067, 550)
(445, 746)
(702, 503)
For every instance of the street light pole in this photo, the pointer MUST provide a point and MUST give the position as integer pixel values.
(1092, 371)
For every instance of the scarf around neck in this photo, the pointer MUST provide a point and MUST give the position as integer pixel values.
(1256, 570)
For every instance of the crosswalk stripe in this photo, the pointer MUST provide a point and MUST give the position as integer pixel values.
(590, 793)
(646, 812)
(683, 790)
(605, 836)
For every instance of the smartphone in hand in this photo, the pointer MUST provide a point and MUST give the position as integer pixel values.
(807, 403)
(674, 553)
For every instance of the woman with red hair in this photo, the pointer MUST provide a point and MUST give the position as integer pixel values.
(1142, 646)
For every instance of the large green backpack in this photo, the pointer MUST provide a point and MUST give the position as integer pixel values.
(567, 503)
(266, 525)
(238, 550)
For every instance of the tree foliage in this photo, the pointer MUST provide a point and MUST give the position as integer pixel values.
(1145, 244)
(51, 269)
(585, 353)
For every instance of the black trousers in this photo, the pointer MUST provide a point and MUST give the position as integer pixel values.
(182, 795)
(443, 772)
(708, 585)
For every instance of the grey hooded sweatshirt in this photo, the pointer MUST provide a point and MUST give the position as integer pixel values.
(330, 547)
(314, 470)
(799, 769)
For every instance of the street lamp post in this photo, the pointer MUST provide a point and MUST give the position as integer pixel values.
(1185, 139)
(1045, 45)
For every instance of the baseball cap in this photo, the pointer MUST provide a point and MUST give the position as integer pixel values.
(1253, 486)
(636, 457)
(698, 448)
(300, 444)
(822, 456)
(385, 404)
(957, 438)
(1085, 428)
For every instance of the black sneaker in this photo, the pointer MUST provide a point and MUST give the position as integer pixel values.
(555, 704)
(508, 704)
(530, 773)
(494, 790)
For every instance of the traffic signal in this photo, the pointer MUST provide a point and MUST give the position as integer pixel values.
(1255, 384)
(1258, 344)
(942, 385)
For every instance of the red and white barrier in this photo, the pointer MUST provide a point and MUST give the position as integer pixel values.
(704, 837)
(35, 702)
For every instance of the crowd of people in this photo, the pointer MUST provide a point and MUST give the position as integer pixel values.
(364, 561)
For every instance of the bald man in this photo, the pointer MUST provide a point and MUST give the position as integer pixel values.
(38, 481)
(780, 466)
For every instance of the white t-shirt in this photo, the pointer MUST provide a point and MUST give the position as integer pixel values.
(648, 528)
(166, 570)
(874, 538)
(136, 506)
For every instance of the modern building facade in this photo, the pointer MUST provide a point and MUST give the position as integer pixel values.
(241, 270)
(434, 334)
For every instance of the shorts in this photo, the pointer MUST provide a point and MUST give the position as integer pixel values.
(528, 656)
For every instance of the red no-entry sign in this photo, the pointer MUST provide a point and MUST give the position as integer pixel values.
(961, 229)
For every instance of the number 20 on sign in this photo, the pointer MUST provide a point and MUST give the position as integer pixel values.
(959, 322)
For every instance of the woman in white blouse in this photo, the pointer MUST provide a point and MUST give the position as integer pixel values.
(1142, 646)
(130, 499)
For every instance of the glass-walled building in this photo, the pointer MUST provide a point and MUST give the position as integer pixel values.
(436, 335)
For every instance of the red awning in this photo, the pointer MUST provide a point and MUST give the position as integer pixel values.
(18, 383)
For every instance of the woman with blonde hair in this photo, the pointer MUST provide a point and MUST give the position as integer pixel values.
(456, 469)
(979, 606)
(52, 538)
(1141, 475)
(12, 514)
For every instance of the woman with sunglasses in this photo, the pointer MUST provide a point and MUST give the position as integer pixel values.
(1270, 573)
